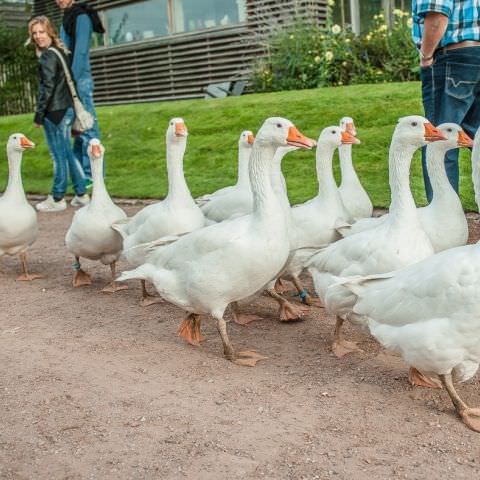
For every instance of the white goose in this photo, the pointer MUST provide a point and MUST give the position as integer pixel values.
(476, 167)
(236, 199)
(90, 235)
(314, 222)
(443, 219)
(176, 214)
(430, 313)
(354, 197)
(18, 219)
(206, 270)
(287, 310)
(396, 242)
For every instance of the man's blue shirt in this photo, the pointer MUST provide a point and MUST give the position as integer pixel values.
(463, 19)
(81, 55)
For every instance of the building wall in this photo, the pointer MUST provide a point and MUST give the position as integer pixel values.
(14, 14)
(183, 64)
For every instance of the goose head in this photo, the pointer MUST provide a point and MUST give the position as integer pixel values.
(455, 136)
(416, 131)
(177, 131)
(280, 132)
(95, 149)
(347, 125)
(18, 142)
(246, 139)
(335, 136)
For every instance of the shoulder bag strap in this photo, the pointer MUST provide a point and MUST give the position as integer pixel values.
(70, 83)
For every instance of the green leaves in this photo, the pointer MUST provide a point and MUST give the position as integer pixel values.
(307, 56)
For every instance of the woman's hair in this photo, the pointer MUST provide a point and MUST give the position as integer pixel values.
(49, 28)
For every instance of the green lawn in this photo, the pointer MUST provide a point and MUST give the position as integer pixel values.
(133, 136)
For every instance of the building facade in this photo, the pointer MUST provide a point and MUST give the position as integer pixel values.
(168, 49)
(164, 49)
(14, 13)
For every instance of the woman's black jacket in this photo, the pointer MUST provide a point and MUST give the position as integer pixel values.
(53, 93)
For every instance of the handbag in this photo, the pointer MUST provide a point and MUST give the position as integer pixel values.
(84, 120)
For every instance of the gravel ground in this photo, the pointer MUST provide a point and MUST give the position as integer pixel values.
(93, 386)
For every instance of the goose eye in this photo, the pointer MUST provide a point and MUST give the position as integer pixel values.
(333, 132)
(414, 124)
(449, 130)
(279, 125)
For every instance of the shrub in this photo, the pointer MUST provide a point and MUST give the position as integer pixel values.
(18, 72)
(308, 56)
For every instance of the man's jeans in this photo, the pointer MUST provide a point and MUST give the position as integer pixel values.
(64, 161)
(451, 93)
(80, 144)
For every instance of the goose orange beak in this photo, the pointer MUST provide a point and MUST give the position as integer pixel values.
(96, 151)
(25, 142)
(180, 129)
(349, 139)
(297, 139)
(464, 140)
(251, 139)
(350, 128)
(432, 134)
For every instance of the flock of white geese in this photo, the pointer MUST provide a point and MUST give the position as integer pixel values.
(408, 276)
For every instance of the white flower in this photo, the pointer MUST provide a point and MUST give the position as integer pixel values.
(317, 59)
(410, 22)
(336, 29)
(328, 56)
(397, 12)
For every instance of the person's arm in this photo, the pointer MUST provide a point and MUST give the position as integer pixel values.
(83, 33)
(435, 27)
(48, 67)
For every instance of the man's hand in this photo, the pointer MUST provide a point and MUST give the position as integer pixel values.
(434, 28)
(426, 62)
(37, 125)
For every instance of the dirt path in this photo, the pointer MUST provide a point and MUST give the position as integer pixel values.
(92, 386)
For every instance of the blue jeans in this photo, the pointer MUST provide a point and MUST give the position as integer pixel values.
(80, 144)
(64, 161)
(451, 93)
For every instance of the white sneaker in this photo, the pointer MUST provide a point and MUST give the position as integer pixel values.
(50, 205)
(80, 201)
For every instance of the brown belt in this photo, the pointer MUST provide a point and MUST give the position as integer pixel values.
(464, 44)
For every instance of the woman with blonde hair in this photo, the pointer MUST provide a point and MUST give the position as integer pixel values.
(54, 111)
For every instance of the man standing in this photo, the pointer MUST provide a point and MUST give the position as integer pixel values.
(79, 21)
(447, 35)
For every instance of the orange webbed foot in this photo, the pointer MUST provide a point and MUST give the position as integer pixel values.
(340, 348)
(28, 277)
(248, 358)
(81, 278)
(418, 379)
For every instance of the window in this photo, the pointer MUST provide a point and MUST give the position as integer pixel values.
(189, 15)
(139, 21)
(363, 12)
(153, 18)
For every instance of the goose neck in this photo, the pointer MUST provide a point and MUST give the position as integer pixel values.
(436, 171)
(402, 203)
(261, 171)
(243, 159)
(14, 188)
(346, 164)
(326, 180)
(99, 191)
(177, 185)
